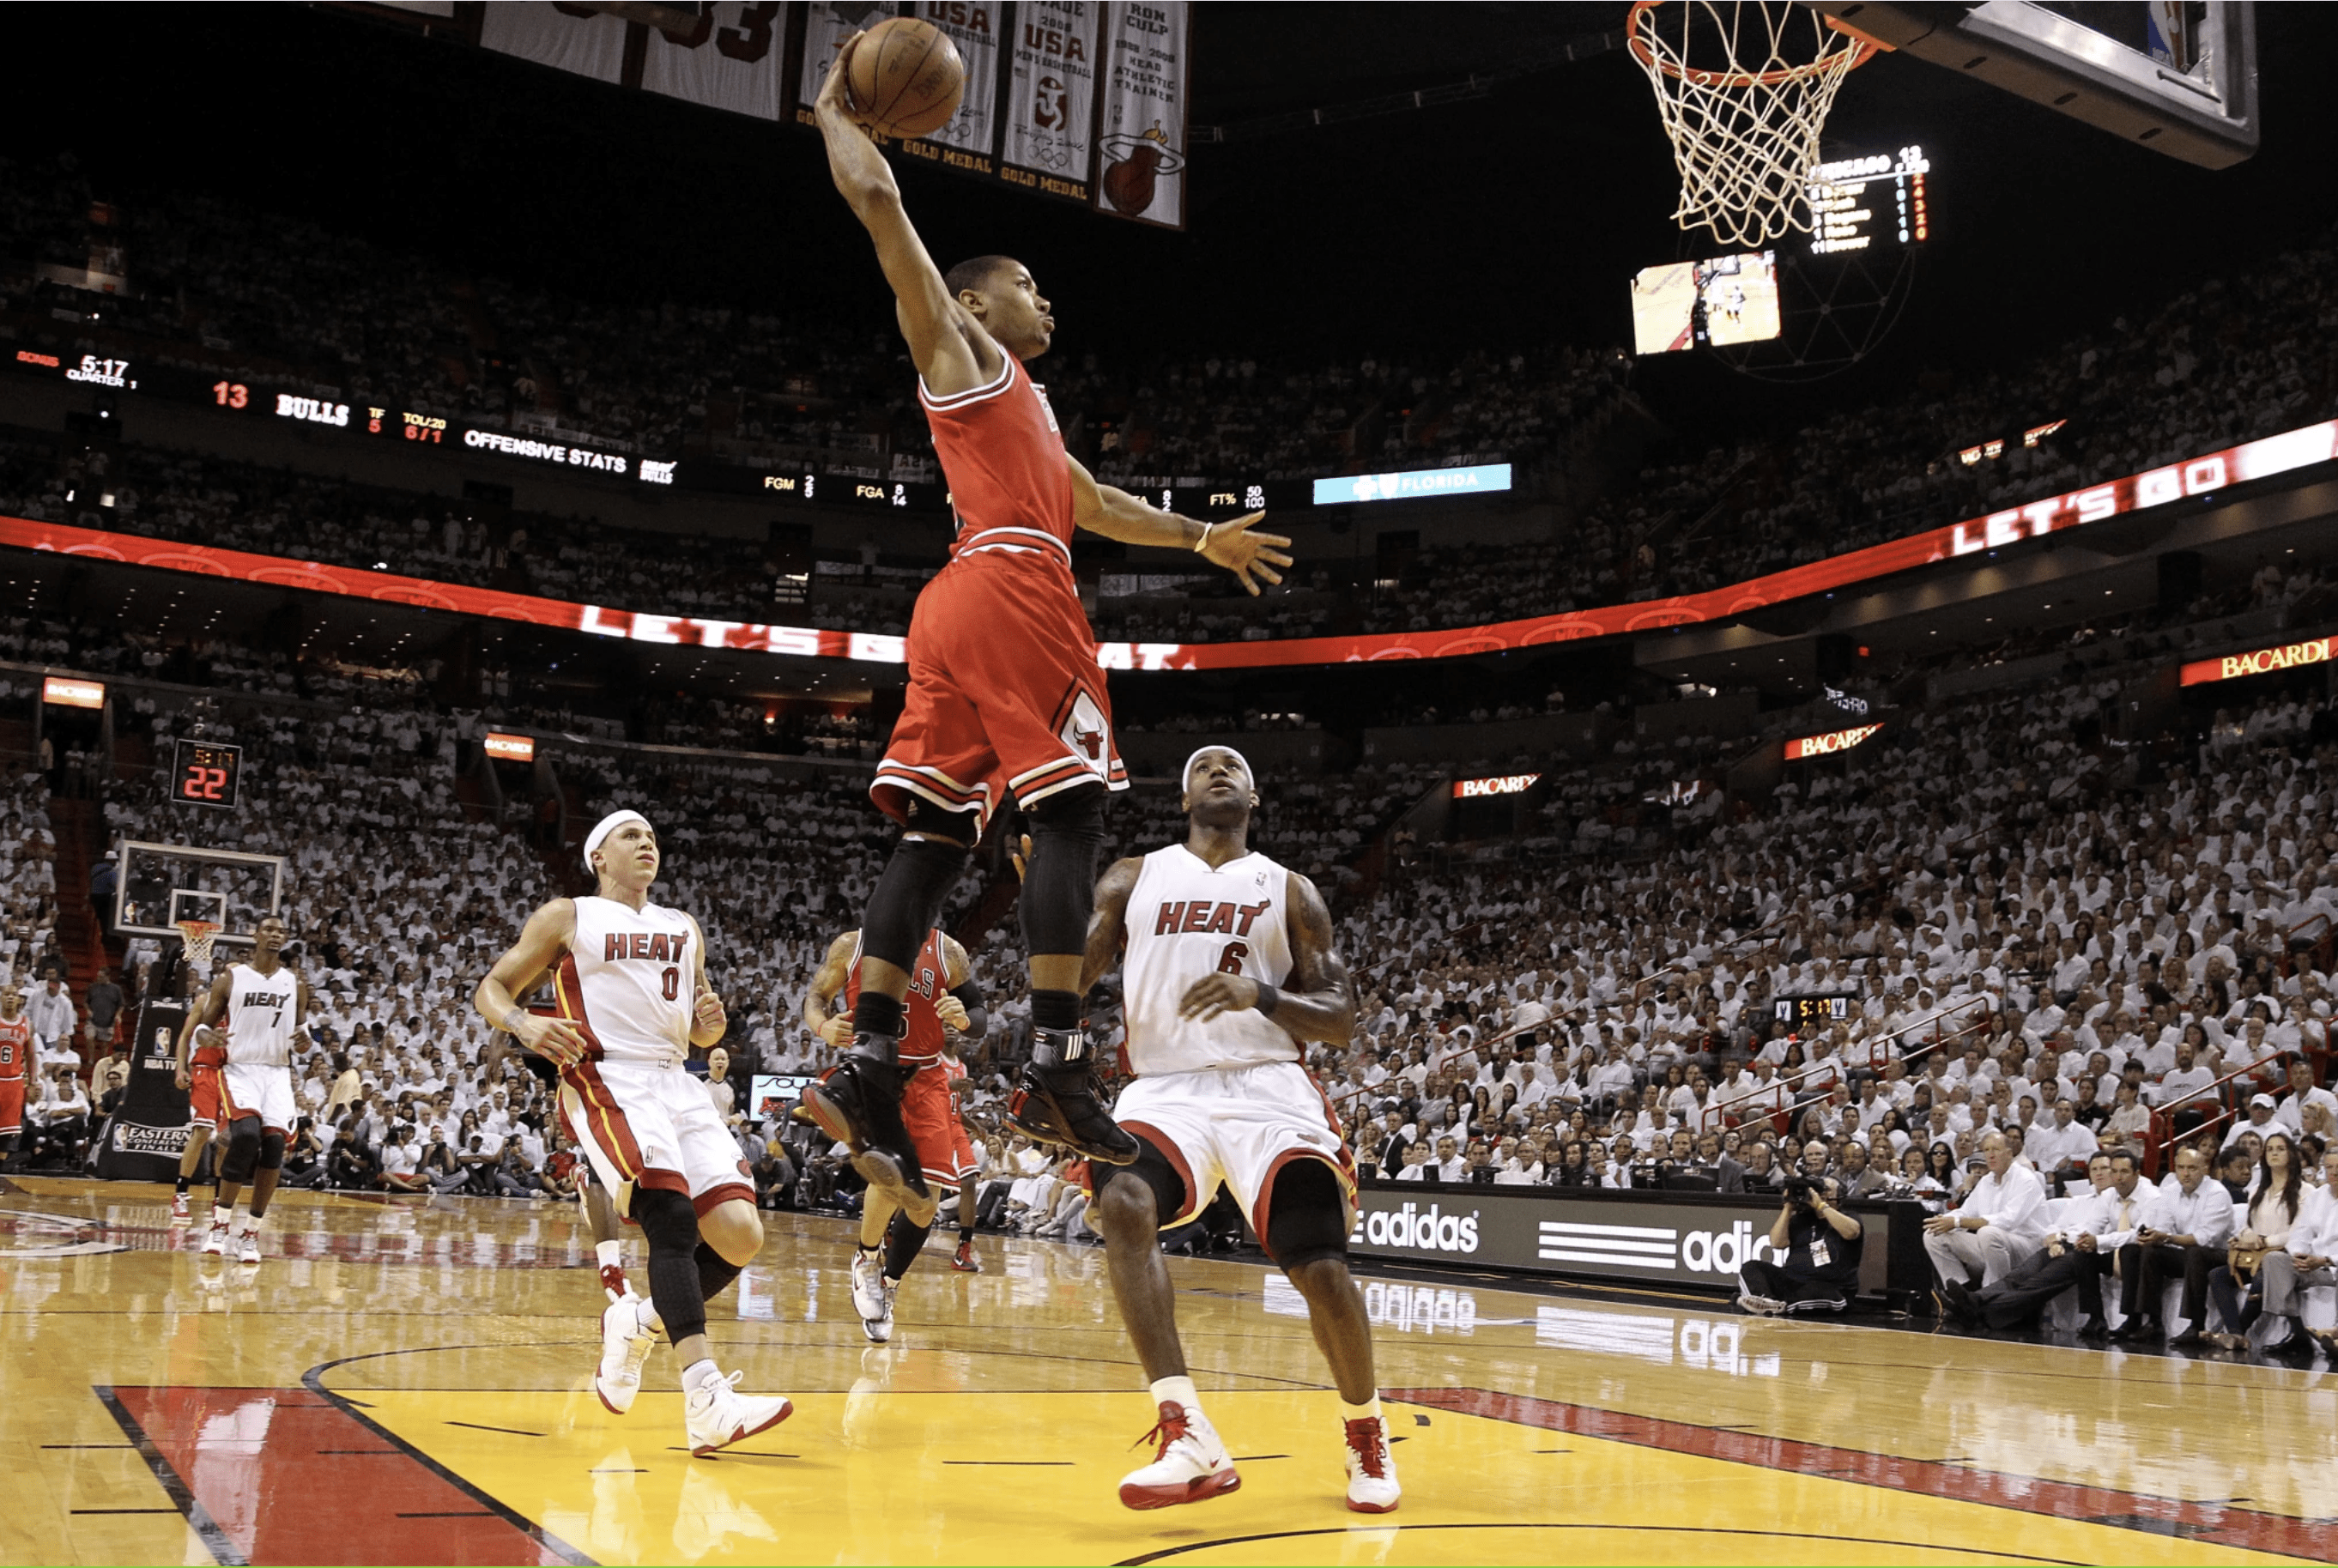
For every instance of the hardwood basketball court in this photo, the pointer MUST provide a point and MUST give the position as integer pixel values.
(408, 1382)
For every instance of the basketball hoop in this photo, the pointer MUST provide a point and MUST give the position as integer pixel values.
(197, 935)
(1744, 92)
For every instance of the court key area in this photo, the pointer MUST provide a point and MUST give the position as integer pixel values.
(405, 1381)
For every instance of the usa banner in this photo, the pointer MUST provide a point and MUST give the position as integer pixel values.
(1141, 132)
(1050, 141)
(825, 27)
(969, 142)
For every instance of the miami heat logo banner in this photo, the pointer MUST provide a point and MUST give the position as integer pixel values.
(1141, 132)
(1051, 98)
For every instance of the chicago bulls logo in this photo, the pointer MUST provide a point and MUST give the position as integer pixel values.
(1089, 735)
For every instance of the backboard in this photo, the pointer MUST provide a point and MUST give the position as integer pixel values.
(160, 883)
(2177, 77)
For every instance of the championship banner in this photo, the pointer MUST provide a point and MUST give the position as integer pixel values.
(969, 142)
(731, 60)
(1141, 132)
(564, 37)
(825, 27)
(148, 1131)
(1050, 127)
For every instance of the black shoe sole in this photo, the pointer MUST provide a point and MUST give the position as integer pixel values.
(1036, 1112)
(882, 1155)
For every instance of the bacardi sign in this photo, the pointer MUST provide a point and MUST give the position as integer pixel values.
(1826, 745)
(2263, 662)
(1508, 784)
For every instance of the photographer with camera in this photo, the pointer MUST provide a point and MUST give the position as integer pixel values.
(1819, 1245)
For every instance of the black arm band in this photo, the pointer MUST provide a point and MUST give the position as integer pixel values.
(1268, 999)
(978, 1017)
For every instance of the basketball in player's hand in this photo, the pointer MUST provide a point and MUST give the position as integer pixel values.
(905, 78)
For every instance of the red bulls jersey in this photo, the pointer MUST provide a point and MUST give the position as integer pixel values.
(929, 979)
(15, 1045)
(1010, 482)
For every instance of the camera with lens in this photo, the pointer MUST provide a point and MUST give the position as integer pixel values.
(1799, 1189)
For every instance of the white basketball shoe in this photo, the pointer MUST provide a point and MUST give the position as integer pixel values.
(715, 1415)
(625, 1345)
(1371, 1468)
(1189, 1466)
(872, 1297)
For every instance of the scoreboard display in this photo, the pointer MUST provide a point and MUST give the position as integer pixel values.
(206, 773)
(1871, 203)
(1800, 1013)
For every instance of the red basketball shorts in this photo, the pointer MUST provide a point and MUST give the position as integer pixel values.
(202, 1095)
(12, 1106)
(943, 1152)
(1005, 695)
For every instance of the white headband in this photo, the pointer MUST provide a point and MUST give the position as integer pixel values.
(608, 824)
(1185, 779)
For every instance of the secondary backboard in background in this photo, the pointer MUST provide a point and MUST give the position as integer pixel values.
(2178, 78)
(160, 883)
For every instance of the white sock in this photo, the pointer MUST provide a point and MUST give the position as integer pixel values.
(645, 1314)
(223, 1216)
(611, 1254)
(1177, 1391)
(1369, 1410)
(698, 1374)
(251, 1224)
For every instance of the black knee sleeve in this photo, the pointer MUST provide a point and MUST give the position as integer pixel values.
(1059, 884)
(908, 899)
(242, 1150)
(670, 1226)
(903, 1242)
(715, 1272)
(271, 1150)
(1306, 1219)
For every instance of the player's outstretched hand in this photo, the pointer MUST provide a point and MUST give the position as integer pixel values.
(1211, 995)
(834, 99)
(952, 1011)
(183, 1079)
(1251, 556)
(838, 1030)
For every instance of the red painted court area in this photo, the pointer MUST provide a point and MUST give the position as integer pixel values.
(279, 1475)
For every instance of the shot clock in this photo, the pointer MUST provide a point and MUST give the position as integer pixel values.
(206, 773)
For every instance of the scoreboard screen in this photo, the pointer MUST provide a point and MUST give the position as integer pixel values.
(1801, 1012)
(206, 773)
(1869, 203)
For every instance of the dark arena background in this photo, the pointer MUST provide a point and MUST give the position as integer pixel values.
(1803, 685)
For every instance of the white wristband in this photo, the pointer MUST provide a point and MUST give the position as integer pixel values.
(1202, 542)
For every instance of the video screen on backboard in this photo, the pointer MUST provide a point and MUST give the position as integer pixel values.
(1739, 295)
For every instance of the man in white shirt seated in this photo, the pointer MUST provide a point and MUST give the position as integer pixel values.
(2302, 1091)
(2061, 1142)
(2185, 1224)
(1761, 1097)
(2189, 1079)
(2082, 1246)
(2260, 1120)
(1449, 1165)
(1996, 1228)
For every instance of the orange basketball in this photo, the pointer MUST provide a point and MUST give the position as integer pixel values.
(905, 78)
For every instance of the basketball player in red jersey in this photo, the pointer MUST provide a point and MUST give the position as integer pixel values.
(629, 977)
(943, 995)
(16, 1055)
(1214, 933)
(199, 1076)
(1005, 695)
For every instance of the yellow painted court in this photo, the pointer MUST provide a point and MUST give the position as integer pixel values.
(409, 1383)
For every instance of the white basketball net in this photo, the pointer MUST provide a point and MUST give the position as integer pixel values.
(1744, 88)
(197, 937)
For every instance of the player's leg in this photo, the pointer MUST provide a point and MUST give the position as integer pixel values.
(1060, 1100)
(1190, 1463)
(963, 1259)
(872, 1292)
(239, 1160)
(1306, 1233)
(191, 1159)
(269, 1169)
(607, 1232)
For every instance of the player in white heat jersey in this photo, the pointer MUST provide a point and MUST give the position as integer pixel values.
(629, 1000)
(253, 1011)
(1229, 965)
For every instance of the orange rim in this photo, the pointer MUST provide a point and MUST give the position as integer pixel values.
(1866, 50)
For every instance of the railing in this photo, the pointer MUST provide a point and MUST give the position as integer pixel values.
(2162, 1130)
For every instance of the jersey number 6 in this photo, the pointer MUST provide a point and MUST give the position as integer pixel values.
(1229, 962)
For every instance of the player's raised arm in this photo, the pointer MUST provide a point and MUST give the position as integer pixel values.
(1108, 926)
(211, 1004)
(1322, 1002)
(826, 984)
(542, 941)
(1234, 545)
(949, 348)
